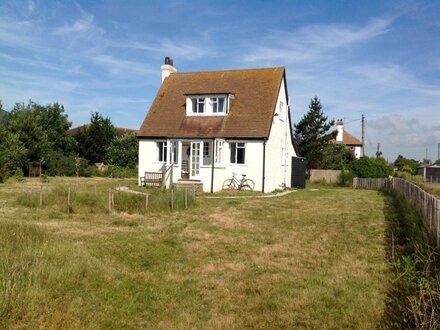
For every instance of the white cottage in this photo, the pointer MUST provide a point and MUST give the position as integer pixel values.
(204, 126)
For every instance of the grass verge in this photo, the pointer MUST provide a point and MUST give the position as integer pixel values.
(414, 297)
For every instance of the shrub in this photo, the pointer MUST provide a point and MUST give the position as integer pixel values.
(366, 167)
(3, 174)
(18, 174)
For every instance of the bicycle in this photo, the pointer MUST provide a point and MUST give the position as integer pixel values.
(234, 183)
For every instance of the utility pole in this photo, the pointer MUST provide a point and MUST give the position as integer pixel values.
(363, 136)
(378, 153)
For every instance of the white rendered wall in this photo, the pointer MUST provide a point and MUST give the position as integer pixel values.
(279, 148)
(357, 152)
(253, 167)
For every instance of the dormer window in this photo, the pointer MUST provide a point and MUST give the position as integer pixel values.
(209, 105)
(218, 104)
(198, 105)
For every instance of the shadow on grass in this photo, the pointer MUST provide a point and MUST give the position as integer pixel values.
(413, 296)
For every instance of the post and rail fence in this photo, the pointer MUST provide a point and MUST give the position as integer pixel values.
(427, 204)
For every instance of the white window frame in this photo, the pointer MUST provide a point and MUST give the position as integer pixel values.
(174, 152)
(197, 103)
(236, 153)
(162, 151)
(210, 102)
(219, 152)
(215, 101)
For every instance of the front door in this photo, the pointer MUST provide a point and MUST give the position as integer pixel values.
(195, 160)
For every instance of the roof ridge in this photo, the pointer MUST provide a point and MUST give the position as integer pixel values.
(228, 70)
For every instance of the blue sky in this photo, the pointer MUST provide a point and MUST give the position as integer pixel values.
(378, 58)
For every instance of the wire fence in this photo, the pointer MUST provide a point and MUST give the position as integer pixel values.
(427, 204)
(90, 199)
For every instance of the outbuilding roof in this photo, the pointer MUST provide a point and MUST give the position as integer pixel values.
(254, 95)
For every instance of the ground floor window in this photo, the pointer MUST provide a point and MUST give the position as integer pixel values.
(219, 152)
(162, 151)
(206, 153)
(238, 151)
(175, 151)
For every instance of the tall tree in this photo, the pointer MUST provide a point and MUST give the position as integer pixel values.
(25, 124)
(313, 134)
(94, 140)
(123, 151)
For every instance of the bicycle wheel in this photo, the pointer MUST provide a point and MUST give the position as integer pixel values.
(228, 184)
(246, 187)
(249, 183)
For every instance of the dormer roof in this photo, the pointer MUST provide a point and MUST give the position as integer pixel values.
(253, 96)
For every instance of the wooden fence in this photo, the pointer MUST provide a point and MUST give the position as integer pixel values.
(427, 204)
(367, 183)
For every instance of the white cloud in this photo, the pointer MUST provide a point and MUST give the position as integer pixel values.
(312, 41)
(83, 24)
(123, 67)
(179, 50)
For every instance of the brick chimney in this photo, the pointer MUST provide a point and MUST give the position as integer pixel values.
(167, 68)
(340, 129)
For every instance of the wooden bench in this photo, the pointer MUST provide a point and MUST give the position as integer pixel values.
(152, 179)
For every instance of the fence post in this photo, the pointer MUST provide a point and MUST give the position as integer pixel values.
(109, 200)
(186, 197)
(41, 196)
(146, 201)
(68, 200)
(438, 222)
(172, 199)
(113, 200)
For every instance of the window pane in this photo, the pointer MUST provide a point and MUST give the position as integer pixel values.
(233, 152)
(240, 154)
(194, 105)
(165, 151)
(214, 104)
(221, 104)
(201, 105)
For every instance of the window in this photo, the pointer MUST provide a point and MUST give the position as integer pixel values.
(219, 152)
(175, 151)
(206, 153)
(162, 151)
(237, 152)
(198, 105)
(218, 104)
(207, 105)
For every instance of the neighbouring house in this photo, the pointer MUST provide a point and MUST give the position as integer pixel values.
(207, 125)
(352, 143)
(430, 173)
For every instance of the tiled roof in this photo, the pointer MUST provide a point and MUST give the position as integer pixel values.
(119, 130)
(254, 91)
(349, 139)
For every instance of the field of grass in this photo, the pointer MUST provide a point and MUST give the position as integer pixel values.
(310, 259)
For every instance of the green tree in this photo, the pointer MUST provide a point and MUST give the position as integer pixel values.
(366, 167)
(26, 125)
(94, 140)
(313, 134)
(335, 157)
(123, 151)
(55, 123)
(406, 165)
(3, 114)
(12, 151)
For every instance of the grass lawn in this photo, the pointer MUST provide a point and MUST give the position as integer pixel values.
(310, 259)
